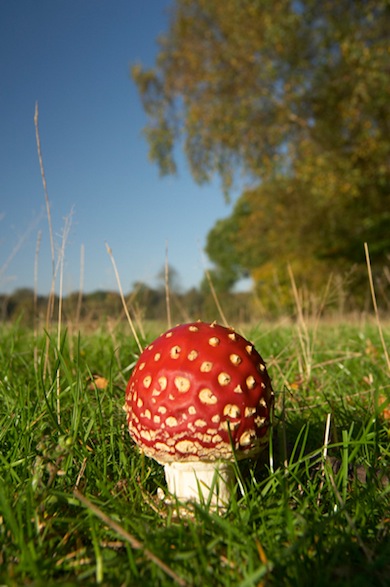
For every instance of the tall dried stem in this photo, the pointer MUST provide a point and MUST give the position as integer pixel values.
(130, 321)
(303, 332)
(48, 212)
(81, 285)
(37, 249)
(307, 338)
(167, 296)
(215, 298)
(324, 454)
(60, 263)
(373, 296)
(50, 305)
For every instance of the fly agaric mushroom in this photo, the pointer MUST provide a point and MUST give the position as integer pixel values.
(199, 394)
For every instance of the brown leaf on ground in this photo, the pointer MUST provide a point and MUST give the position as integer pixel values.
(384, 401)
(99, 382)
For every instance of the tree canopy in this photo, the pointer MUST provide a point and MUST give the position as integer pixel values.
(294, 96)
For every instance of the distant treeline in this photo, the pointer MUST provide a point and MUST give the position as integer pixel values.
(151, 304)
(144, 303)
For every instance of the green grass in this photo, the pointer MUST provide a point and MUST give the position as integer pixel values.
(303, 521)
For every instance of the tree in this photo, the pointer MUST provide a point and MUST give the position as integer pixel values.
(293, 95)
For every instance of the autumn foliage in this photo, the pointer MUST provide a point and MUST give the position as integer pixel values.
(291, 99)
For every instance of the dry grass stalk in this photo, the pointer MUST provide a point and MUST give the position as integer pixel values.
(50, 305)
(47, 202)
(81, 285)
(60, 264)
(37, 249)
(303, 332)
(116, 347)
(373, 296)
(307, 338)
(38, 140)
(167, 297)
(130, 321)
(215, 297)
(324, 454)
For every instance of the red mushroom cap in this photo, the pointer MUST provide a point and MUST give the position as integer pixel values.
(198, 392)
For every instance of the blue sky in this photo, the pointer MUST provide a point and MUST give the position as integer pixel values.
(73, 58)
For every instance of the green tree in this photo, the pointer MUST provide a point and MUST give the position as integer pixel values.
(295, 96)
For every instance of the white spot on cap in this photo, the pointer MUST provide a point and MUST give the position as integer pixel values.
(235, 359)
(206, 367)
(192, 355)
(232, 411)
(249, 349)
(247, 437)
(182, 384)
(147, 381)
(156, 419)
(162, 409)
(213, 341)
(140, 403)
(186, 446)
(141, 366)
(232, 336)
(259, 421)
(261, 367)
(171, 422)
(207, 397)
(204, 437)
(262, 402)
(163, 447)
(249, 411)
(146, 415)
(146, 435)
(251, 382)
(238, 389)
(192, 410)
(157, 356)
(163, 382)
(200, 423)
(229, 425)
(224, 378)
(216, 418)
(175, 352)
(193, 328)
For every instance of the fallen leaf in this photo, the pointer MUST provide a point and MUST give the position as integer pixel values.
(99, 382)
(384, 401)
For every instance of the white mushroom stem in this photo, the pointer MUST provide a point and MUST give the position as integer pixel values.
(199, 481)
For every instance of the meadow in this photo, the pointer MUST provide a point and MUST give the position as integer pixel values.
(78, 501)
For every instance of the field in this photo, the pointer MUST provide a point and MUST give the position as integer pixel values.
(314, 510)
